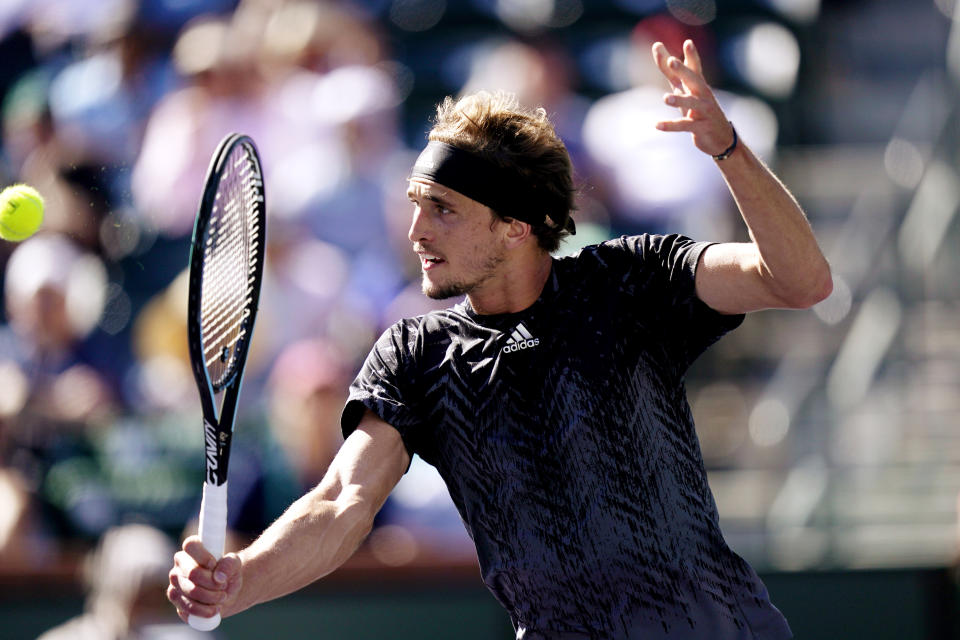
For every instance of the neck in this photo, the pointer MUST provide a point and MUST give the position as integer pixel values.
(516, 289)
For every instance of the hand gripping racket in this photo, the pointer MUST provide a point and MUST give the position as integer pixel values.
(226, 268)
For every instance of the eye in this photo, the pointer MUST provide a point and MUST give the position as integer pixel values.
(442, 207)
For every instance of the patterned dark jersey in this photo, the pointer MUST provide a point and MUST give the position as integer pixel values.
(565, 438)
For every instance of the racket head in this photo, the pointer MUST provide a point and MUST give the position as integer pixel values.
(226, 268)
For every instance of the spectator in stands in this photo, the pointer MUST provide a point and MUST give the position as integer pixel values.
(126, 578)
(307, 388)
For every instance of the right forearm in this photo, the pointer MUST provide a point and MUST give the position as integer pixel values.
(310, 540)
(315, 535)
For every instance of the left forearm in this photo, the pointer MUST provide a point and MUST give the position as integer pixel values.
(790, 263)
(783, 265)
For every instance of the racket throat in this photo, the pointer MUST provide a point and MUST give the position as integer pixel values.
(216, 449)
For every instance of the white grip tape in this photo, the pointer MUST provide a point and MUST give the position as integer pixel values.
(213, 534)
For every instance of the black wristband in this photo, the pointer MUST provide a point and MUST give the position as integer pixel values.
(723, 155)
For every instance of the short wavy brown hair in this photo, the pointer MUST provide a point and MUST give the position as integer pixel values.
(495, 127)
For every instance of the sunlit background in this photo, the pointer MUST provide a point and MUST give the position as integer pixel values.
(831, 436)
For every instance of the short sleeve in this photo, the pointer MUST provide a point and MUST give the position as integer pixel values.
(661, 274)
(386, 385)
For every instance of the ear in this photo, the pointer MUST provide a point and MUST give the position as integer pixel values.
(517, 232)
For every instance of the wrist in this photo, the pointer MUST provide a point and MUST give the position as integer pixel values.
(726, 153)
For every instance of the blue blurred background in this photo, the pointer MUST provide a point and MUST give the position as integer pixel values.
(831, 435)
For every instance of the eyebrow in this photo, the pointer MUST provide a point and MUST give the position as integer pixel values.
(436, 199)
(439, 200)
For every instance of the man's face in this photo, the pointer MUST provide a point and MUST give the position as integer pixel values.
(456, 238)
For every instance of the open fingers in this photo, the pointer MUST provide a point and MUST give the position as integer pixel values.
(682, 74)
(680, 124)
(686, 103)
(691, 57)
(701, 114)
(690, 79)
(662, 57)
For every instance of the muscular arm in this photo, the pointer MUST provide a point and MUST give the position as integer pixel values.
(782, 266)
(312, 538)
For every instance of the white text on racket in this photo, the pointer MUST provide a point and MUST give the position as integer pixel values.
(210, 438)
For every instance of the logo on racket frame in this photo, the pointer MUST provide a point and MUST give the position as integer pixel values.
(212, 449)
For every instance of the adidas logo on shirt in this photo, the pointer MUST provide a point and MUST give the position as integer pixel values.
(520, 339)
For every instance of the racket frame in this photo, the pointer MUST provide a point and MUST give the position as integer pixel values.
(218, 422)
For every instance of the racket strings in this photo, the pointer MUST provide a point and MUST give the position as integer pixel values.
(228, 245)
(227, 310)
(223, 254)
(231, 257)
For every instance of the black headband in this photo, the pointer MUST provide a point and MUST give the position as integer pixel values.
(500, 189)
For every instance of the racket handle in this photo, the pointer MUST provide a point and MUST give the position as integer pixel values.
(213, 534)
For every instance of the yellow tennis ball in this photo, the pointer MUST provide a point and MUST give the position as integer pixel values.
(21, 212)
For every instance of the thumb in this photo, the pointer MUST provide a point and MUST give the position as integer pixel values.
(227, 569)
(229, 574)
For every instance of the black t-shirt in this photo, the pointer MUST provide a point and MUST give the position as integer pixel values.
(565, 438)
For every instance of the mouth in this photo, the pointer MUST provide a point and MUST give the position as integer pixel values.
(429, 261)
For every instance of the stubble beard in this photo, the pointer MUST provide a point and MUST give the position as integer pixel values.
(458, 288)
(450, 290)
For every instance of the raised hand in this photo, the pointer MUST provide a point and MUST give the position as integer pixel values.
(701, 113)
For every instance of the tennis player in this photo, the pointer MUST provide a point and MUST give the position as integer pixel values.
(551, 398)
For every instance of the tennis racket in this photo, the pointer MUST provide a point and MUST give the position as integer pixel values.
(226, 269)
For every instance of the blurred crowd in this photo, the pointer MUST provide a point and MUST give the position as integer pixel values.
(111, 108)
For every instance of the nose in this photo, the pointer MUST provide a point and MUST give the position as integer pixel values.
(419, 229)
